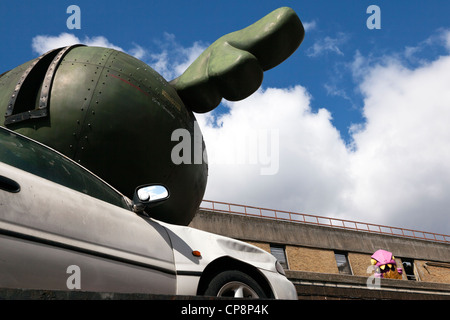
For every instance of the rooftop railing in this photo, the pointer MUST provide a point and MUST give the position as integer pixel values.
(218, 206)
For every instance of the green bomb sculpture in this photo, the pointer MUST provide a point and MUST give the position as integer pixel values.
(115, 115)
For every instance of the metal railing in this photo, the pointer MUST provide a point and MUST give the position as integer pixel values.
(218, 206)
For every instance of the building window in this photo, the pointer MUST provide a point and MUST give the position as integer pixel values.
(279, 252)
(342, 262)
(408, 268)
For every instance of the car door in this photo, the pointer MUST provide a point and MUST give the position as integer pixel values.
(56, 237)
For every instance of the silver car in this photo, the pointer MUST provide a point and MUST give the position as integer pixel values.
(63, 228)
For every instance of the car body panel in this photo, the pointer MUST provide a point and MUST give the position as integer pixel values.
(58, 219)
(186, 240)
(33, 265)
(281, 287)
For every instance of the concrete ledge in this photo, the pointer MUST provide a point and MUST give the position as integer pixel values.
(307, 235)
(335, 286)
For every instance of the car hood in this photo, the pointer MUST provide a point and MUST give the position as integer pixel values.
(186, 240)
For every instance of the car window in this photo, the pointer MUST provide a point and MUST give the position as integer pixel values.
(32, 157)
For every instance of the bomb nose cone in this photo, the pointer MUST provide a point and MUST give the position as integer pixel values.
(112, 114)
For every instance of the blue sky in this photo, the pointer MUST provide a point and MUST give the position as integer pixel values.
(378, 83)
(325, 74)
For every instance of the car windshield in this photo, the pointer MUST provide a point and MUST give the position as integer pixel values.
(25, 154)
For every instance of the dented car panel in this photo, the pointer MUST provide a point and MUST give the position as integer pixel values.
(186, 240)
(45, 228)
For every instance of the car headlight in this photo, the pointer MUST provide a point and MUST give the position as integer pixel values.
(279, 268)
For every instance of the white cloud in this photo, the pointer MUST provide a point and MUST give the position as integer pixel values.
(138, 52)
(333, 90)
(170, 59)
(311, 153)
(445, 36)
(397, 172)
(401, 166)
(326, 45)
(173, 59)
(190, 55)
(309, 26)
(43, 43)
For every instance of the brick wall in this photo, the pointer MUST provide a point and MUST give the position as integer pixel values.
(359, 263)
(312, 260)
(432, 272)
(323, 261)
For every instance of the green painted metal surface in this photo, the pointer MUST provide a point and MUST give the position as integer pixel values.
(232, 67)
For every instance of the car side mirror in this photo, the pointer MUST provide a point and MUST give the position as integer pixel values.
(148, 196)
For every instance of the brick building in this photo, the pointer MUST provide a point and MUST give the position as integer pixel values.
(330, 259)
